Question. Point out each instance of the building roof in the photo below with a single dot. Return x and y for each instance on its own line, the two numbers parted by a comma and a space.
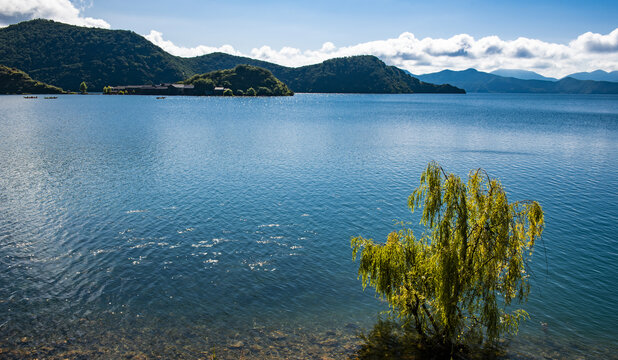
180, 86
141, 87
160, 87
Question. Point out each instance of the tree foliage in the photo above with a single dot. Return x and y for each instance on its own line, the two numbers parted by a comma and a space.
243, 77
83, 88
456, 283
203, 86
14, 81
264, 91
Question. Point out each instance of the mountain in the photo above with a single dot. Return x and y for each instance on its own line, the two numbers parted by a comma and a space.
66, 55
598, 75
362, 74
219, 61
477, 81
521, 74
240, 80
14, 81
355, 74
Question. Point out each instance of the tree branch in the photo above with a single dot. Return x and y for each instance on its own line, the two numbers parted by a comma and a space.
431, 319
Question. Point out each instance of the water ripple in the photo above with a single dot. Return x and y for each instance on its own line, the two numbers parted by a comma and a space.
201, 223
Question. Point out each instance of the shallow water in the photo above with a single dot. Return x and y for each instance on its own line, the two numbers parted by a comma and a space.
135, 226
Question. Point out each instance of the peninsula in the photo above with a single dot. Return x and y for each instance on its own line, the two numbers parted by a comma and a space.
241, 80
15, 81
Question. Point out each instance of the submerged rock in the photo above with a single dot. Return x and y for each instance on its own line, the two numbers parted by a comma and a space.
329, 342
256, 347
277, 335
237, 344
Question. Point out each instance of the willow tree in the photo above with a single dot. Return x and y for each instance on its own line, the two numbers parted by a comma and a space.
458, 283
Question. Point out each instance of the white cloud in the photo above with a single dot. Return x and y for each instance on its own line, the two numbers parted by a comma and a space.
156, 38
588, 52
597, 43
12, 11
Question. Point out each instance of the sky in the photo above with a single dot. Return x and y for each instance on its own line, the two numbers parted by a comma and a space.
552, 37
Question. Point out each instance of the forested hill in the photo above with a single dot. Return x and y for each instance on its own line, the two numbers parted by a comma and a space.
220, 61
65, 55
242, 80
14, 81
355, 74
358, 74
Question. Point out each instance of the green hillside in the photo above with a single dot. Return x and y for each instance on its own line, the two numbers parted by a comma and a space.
219, 61
355, 74
240, 79
14, 81
358, 74
65, 55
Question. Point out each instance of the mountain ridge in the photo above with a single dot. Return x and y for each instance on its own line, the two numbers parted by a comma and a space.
65, 55
477, 81
521, 74
597, 75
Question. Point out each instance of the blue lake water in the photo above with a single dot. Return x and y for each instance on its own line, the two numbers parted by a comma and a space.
132, 226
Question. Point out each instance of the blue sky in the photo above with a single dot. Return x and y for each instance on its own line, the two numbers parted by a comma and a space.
551, 37
308, 24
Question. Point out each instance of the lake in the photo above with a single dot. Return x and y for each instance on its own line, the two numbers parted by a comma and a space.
188, 227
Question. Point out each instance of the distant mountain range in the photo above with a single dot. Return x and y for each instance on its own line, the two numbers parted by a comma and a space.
521, 74
65, 55
477, 81
598, 75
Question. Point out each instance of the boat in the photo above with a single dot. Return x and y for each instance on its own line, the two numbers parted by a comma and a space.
160, 97
51, 97
30, 97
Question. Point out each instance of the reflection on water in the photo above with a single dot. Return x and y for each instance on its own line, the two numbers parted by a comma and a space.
131, 227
